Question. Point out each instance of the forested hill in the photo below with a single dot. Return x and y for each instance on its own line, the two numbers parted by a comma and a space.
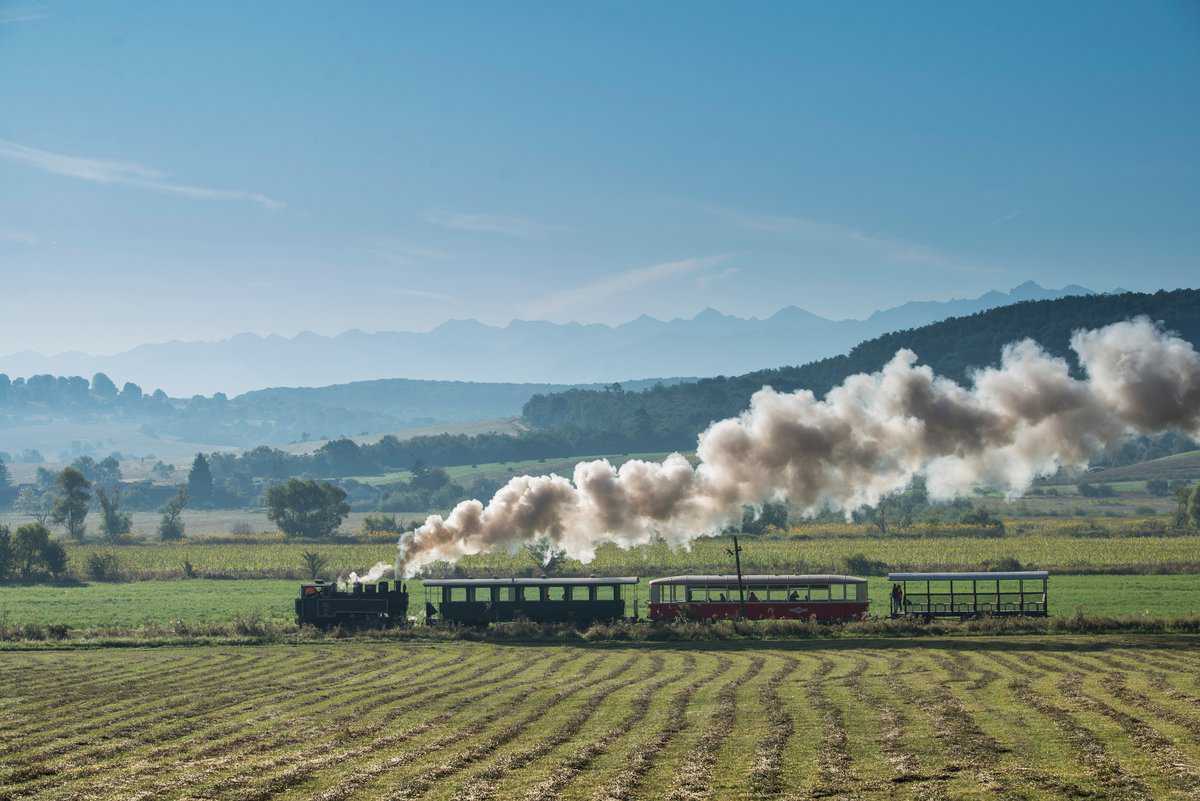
671, 417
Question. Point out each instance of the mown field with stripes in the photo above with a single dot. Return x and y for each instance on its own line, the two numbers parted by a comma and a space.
1013, 718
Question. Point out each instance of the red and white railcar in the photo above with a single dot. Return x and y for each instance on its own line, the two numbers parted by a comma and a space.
825, 598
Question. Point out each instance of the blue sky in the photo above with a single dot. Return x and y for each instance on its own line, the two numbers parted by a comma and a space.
182, 170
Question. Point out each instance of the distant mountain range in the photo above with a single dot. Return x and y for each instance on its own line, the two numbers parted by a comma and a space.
711, 343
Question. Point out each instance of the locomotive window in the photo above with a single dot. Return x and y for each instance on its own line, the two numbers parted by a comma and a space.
556, 593
458, 594
606, 592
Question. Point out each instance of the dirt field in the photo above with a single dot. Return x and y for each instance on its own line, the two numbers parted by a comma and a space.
976, 718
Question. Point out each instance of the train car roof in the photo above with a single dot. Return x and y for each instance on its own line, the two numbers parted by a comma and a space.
531, 582
757, 580
979, 576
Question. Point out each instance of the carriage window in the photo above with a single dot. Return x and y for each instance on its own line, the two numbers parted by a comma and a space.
818, 593
531, 593
458, 593
504, 593
606, 592
556, 593
579, 593
483, 594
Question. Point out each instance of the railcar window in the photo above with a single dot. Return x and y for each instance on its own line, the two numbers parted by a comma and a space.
818, 593
504, 594
483, 594
531, 593
458, 594
837, 592
578, 593
605, 592
556, 593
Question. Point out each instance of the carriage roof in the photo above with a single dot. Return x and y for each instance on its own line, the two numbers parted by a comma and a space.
978, 576
758, 580
591, 581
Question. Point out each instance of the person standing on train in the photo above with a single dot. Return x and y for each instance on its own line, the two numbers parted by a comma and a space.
897, 600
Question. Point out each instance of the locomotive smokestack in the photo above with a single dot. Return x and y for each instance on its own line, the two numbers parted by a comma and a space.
866, 438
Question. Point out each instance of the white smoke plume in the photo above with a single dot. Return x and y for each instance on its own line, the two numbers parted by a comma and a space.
866, 439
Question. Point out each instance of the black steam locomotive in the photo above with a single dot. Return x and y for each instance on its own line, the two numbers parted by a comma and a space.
323, 605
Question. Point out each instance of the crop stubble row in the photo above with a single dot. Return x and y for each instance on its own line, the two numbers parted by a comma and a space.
476, 721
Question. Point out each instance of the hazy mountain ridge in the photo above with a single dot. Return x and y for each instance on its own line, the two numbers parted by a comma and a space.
710, 343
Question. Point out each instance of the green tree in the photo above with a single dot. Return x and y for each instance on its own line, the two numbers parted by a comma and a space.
71, 504
171, 526
1193, 507
108, 472
103, 387
545, 554
307, 508
1158, 487
33, 551
114, 523
38, 505
54, 557
5, 552
315, 564
200, 481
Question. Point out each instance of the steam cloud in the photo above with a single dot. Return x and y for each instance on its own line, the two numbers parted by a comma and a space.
866, 439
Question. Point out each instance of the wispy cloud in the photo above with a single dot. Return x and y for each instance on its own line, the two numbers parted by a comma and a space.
616, 284
708, 279
844, 236
420, 293
125, 173
16, 15
18, 237
517, 227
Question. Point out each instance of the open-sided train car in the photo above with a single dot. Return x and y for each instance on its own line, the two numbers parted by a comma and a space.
826, 598
968, 595
324, 605
577, 601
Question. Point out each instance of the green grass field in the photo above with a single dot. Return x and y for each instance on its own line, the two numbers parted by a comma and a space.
135, 604
1031, 718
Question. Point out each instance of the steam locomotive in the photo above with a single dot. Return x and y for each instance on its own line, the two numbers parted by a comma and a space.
325, 605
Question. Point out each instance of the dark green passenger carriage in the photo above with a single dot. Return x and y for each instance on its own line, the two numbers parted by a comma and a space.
576, 601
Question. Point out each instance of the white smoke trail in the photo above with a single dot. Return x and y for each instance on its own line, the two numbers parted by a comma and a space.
867, 438
372, 576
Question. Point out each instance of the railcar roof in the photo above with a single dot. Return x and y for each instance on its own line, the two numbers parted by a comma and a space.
757, 580
1010, 574
531, 582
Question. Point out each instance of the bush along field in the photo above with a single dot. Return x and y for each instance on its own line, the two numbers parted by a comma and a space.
985, 718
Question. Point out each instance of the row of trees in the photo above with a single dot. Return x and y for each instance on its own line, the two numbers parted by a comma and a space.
68, 501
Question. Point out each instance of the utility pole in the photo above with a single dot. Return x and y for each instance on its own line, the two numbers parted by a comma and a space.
736, 553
